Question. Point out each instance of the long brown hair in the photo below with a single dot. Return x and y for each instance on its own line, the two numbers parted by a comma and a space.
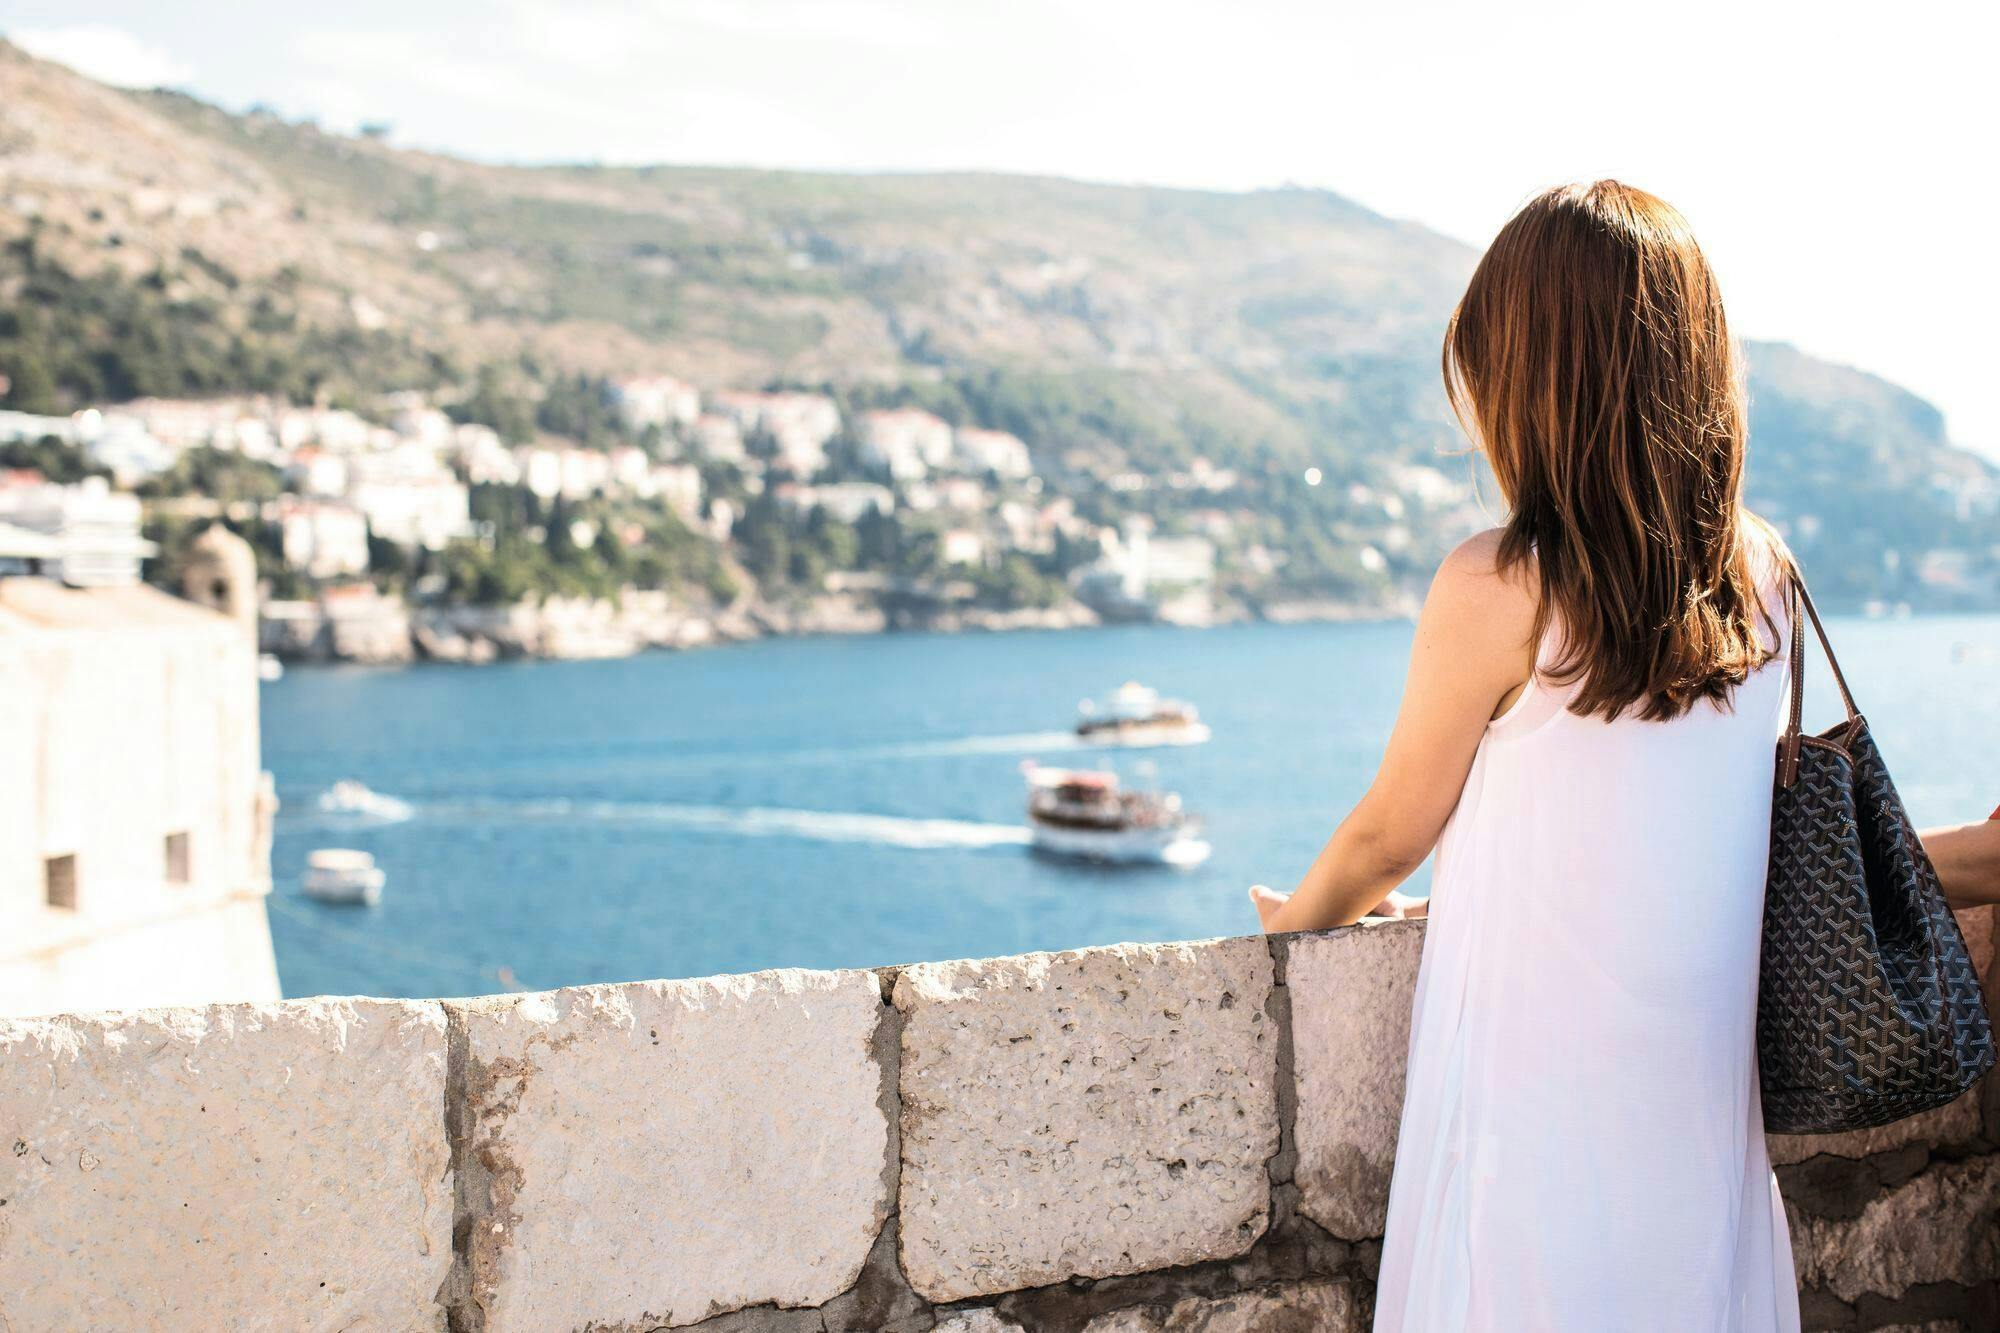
1590, 359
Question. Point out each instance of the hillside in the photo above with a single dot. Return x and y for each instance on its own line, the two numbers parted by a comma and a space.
1113, 328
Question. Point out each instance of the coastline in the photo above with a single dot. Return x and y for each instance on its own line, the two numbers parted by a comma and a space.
382, 631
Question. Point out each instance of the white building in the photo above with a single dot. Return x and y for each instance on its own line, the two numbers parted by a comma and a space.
679, 485
134, 821
572, 474
796, 425
324, 540
655, 400
962, 546
846, 501
124, 445
95, 528
236, 425
993, 451
318, 472
906, 440
1146, 564
18, 426
430, 512
485, 458
719, 437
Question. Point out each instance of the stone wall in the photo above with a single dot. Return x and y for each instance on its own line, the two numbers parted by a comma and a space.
1134, 1139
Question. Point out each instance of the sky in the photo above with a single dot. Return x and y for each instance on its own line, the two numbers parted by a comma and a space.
1835, 159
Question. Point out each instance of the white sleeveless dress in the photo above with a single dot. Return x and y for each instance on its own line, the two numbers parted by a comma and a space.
1582, 1145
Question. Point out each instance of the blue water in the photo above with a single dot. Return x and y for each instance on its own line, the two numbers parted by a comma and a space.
854, 801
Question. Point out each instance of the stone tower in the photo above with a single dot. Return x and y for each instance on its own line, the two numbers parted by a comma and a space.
221, 574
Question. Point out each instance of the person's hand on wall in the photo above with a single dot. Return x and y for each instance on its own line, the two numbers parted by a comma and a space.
1967, 859
1396, 907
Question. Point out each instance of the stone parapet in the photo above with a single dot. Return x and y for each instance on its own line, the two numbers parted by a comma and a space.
1194, 1138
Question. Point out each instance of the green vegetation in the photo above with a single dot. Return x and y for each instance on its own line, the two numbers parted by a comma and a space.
594, 548
59, 462
68, 340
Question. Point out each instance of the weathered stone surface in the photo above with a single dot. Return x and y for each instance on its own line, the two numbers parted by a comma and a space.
1084, 1114
1351, 992
1305, 1307
278, 1166
660, 1152
1948, 1125
976, 1321
1942, 1225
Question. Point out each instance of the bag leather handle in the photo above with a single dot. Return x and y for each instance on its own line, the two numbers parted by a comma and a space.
1796, 597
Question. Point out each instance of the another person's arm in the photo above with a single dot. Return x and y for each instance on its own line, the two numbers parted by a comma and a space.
1967, 858
1471, 652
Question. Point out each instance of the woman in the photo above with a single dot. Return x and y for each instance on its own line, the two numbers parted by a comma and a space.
1587, 738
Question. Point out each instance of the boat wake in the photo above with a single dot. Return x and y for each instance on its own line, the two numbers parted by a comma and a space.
753, 822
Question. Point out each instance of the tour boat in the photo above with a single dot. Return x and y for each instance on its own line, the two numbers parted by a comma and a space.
269, 668
1136, 715
1086, 815
341, 875
348, 797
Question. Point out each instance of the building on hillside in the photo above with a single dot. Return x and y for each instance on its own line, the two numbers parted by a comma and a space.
483, 456
993, 451
719, 438
16, 427
134, 820
795, 426
655, 400
679, 486
431, 513
322, 539
95, 528
846, 501
1143, 576
962, 546
314, 471
571, 474
908, 441
123, 445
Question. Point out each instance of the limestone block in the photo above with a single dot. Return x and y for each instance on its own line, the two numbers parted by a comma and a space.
1947, 1125
1305, 1307
1084, 1114
1351, 993
1942, 1225
660, 1152
279, 1166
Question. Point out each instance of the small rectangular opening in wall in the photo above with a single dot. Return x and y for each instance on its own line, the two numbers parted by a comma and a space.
59, 881
179, 869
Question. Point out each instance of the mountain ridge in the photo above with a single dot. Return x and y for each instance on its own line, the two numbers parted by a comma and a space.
1133, 325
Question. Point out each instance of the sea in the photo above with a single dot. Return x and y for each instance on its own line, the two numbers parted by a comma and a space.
853, 801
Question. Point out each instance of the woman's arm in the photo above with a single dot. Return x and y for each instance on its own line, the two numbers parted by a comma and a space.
1471, 654
1968, 862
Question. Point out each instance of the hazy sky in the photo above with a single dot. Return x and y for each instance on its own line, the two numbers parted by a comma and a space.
1830, 155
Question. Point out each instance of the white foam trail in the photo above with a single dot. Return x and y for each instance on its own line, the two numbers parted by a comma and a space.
759, 822
1017, 744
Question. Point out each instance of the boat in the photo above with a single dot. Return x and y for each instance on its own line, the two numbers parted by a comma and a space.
269, 668
1135, 715
342, 875
1086, 815
348, 797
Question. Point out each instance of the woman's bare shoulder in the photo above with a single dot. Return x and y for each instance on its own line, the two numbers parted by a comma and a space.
1480, 601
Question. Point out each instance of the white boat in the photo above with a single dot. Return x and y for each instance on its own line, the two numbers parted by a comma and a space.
1136, 716
348, 797
269, 668
1085, 815
342, 875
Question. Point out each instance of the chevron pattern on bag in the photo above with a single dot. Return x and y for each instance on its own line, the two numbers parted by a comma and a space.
1868, 1005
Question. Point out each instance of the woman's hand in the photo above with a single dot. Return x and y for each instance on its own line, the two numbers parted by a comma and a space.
1267, 901
1396, 907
